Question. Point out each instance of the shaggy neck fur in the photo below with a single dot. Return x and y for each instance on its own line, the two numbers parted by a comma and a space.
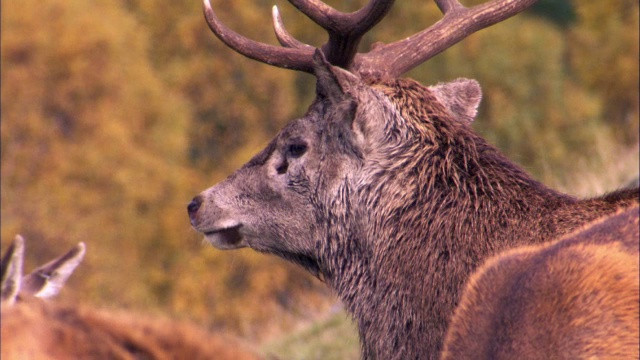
399, 249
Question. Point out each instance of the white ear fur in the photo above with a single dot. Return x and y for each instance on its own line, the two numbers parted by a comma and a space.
47, 281
460, 97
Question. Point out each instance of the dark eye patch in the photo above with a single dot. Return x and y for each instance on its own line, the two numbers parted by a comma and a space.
296, 150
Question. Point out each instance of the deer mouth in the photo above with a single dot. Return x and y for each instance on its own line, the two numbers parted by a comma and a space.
226, 238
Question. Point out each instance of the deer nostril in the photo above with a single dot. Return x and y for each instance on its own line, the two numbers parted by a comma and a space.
194, 206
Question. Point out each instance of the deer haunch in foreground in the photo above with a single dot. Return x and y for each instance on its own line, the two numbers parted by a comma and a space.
33, 329
577, 298
382, 188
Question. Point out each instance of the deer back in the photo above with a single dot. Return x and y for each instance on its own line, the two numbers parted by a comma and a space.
35, 328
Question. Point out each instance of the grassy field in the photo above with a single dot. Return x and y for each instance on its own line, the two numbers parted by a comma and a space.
333, 337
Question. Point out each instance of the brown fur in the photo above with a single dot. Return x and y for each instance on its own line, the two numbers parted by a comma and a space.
33, 329
576, 298
468, 202
36, 330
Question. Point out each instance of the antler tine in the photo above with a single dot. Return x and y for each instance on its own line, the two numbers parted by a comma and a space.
335, 21
458, 22
345, 29
283, 36
290, 58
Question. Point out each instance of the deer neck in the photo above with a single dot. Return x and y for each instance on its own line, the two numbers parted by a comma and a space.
405, 234
399, 263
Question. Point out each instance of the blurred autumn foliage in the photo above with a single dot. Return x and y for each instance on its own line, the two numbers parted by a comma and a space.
116, 113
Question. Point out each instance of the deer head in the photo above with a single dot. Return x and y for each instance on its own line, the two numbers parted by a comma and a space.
280, 201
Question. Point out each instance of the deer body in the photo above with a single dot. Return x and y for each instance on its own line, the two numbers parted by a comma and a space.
575, 298
34, 329
383, 190
423, 224
37, 330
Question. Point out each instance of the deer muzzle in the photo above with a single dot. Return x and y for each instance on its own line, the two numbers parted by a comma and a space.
221, 233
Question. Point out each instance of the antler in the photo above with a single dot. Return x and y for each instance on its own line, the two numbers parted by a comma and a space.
346, 30
458, 22
290, 58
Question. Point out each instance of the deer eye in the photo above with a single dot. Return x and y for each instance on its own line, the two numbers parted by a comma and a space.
296, 150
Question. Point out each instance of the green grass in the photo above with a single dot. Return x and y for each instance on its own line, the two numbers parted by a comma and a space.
335, 337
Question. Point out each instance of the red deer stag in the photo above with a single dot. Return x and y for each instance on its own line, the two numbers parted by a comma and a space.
382, 188
575, 298
34, 330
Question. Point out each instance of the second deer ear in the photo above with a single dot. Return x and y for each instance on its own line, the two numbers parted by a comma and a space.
460, 97
337, 86
333, 83
47, 280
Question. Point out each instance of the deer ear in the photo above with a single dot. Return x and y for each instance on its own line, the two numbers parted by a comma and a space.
47, 281
12, 271
460, 97
333, 82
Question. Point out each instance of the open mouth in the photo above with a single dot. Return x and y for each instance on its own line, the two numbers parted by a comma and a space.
227, 238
